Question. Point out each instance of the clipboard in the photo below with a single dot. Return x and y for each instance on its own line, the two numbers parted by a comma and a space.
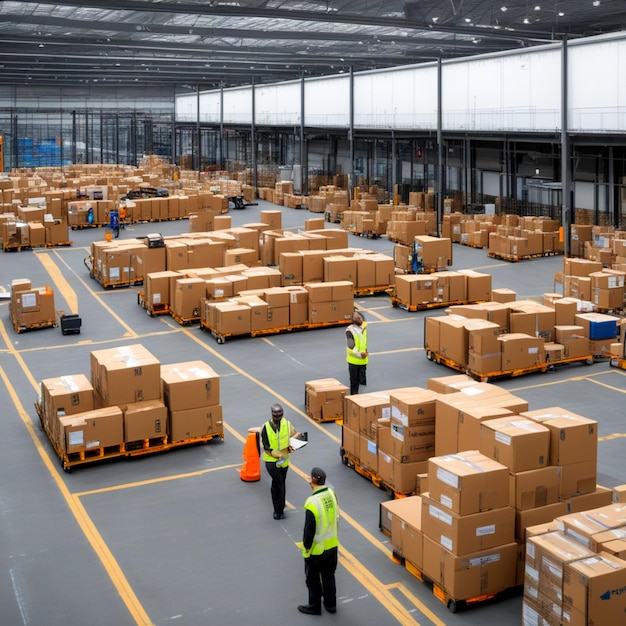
296, 444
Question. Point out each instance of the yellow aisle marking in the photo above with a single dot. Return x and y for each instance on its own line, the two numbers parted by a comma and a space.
613, 436
84, 521
129, 331
382, 593
611, 387
59, 281
153, 481
18, 356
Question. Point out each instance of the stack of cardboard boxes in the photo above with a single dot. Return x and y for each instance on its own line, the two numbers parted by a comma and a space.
31, 307
130, 398
500, 469
519, 334
573, 574
324, 399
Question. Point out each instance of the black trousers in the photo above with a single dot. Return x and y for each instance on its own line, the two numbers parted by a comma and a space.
278, 476
319, 571
357, 377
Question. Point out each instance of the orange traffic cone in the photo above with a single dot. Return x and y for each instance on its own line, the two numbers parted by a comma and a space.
251, 468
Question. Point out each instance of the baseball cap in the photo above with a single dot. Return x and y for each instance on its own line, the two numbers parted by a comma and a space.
319, 475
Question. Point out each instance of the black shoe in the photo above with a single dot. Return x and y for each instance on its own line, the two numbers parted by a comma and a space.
277, 516
307, 609
331, 609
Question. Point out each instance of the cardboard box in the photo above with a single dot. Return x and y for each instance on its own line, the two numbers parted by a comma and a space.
189, 385
521, 351
475, 574
412, 443
413, 406
198, 422
350, 441
520, 444
593, 590
125, 375
539, 515
587, 501
548, 554
582, 526
577, 478
402, 520
144, 420
619, 494
468, 482
534, 488
467, 533
573, 438
324, 398
100, 428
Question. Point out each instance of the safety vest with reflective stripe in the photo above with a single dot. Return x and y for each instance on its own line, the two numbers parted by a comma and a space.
278, 440
323, 504
353, 355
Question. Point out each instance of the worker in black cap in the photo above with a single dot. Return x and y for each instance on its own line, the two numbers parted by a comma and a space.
275, 436
320, 545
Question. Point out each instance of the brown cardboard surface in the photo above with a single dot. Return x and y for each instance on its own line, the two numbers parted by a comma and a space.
468, 482
534, 488
189, 385
198, 422
520, 444
479, 573
467, 533
573, 438
144, 420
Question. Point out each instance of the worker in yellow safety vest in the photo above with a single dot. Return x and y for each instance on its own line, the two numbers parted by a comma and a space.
275, 436
320, 545
356, 352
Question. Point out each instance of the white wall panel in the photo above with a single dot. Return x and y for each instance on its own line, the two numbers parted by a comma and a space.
518, 91
238, 105
278, 104
327, 101
584, 195
597, 88
511, 91
210, 107
400, 98
186, 107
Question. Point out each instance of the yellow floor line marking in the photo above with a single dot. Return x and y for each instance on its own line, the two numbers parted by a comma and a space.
61, 284
378, 316
572, 379
613, 436
396, 351
411, 597
129, 331
153, 481
611, 387
84, 521
269, 390
18, 357
382, 593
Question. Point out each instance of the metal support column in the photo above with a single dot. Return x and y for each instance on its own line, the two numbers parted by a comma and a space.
394, 165
304, 169
253, 145
439, 182
351, 136
566, 161
222, 156
198, 131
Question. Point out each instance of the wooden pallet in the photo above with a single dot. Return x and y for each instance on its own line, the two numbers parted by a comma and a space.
360, 468
221, 336
453, 604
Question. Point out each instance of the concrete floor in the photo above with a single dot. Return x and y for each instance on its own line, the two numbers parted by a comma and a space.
178, 538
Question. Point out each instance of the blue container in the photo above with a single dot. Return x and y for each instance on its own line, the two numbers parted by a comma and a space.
602, 329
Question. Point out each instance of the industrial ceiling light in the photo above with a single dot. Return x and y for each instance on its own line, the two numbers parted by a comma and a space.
596, 3
526, 20
537, 7
561, 14
504, 9
435, 19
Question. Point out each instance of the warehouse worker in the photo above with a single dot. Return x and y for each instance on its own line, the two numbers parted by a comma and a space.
356, 352
275, 436
320, 545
